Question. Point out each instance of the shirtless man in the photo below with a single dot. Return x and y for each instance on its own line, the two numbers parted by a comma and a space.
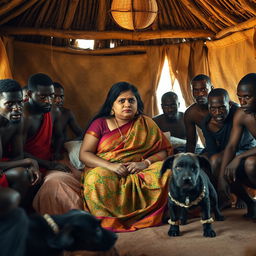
67, 118
217, 127
42, 124
239, 170
201, 86
171, 120
15, 172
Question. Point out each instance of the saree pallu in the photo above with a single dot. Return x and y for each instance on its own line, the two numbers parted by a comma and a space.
137, 200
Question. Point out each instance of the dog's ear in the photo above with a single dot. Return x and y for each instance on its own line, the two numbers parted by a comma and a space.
167, 164
63, 240
205, 164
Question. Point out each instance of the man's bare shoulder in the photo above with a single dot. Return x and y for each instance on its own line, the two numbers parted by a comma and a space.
158, 118
240, 115
190, 110
11, 130
27, 115
55, 113
242, 118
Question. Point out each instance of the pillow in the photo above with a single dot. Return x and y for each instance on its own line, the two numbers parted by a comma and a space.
177, 142
73, 148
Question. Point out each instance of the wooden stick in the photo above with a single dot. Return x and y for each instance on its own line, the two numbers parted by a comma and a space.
70, 14
135, 36
220, 13
248, 6
9, 6
198, 13
20, 10
101, 20
239, 27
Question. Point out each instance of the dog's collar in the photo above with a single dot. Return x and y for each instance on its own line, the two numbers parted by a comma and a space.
187, 203
53, 225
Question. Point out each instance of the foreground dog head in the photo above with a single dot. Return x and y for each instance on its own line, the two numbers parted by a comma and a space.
77, 231
185, 168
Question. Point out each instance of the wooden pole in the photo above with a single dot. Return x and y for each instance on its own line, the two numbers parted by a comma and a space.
239, 27
91, 35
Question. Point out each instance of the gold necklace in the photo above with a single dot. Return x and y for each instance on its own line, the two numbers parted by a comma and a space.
188, 204
123, 137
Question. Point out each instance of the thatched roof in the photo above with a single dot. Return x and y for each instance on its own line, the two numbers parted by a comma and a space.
91, 19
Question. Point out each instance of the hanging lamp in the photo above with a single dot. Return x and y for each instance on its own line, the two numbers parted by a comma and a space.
134, 14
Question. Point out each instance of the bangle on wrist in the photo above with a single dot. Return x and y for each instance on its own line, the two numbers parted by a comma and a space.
148, 162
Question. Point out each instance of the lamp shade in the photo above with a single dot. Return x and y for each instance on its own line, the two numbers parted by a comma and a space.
134, 14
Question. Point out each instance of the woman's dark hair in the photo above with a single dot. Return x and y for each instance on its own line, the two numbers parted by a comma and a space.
113, 94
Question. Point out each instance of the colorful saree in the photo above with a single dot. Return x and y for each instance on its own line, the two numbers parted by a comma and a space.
138, 200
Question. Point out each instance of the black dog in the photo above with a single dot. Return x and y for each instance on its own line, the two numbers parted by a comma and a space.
190, 186
73, 231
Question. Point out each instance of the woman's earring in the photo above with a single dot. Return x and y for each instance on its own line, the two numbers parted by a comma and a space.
112, 113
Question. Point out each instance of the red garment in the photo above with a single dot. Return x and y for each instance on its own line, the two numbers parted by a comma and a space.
3, 181
40, 144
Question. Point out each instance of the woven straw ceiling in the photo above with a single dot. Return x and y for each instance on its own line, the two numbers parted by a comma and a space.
211, 16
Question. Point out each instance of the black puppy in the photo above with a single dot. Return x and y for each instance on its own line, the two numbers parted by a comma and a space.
190, 186
73, 231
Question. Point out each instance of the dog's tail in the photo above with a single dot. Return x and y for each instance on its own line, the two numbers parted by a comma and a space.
167, 164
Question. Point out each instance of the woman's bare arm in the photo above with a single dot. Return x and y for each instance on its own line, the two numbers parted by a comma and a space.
88, 156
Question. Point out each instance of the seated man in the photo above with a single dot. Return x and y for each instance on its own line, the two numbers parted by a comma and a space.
172, 121
67, 118
201, 86
217, 127
12, 171
239, 170
42, 124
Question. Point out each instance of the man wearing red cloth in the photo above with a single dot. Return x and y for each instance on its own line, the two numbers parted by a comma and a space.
41, 124
15, 172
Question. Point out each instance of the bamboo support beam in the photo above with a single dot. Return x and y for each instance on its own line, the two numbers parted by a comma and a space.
70, 14
101, 21
195, 11
239, 27
220, 13
9, 6
108, 51
247, 5
93, 35
20, 10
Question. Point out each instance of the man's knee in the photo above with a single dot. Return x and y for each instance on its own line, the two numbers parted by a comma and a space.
17, 175
250, 168
9, 199
215, 161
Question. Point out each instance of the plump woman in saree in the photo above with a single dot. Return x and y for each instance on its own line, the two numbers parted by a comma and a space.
123, 152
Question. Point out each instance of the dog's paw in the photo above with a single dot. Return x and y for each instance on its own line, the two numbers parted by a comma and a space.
174, 230
209, 233
240, 204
